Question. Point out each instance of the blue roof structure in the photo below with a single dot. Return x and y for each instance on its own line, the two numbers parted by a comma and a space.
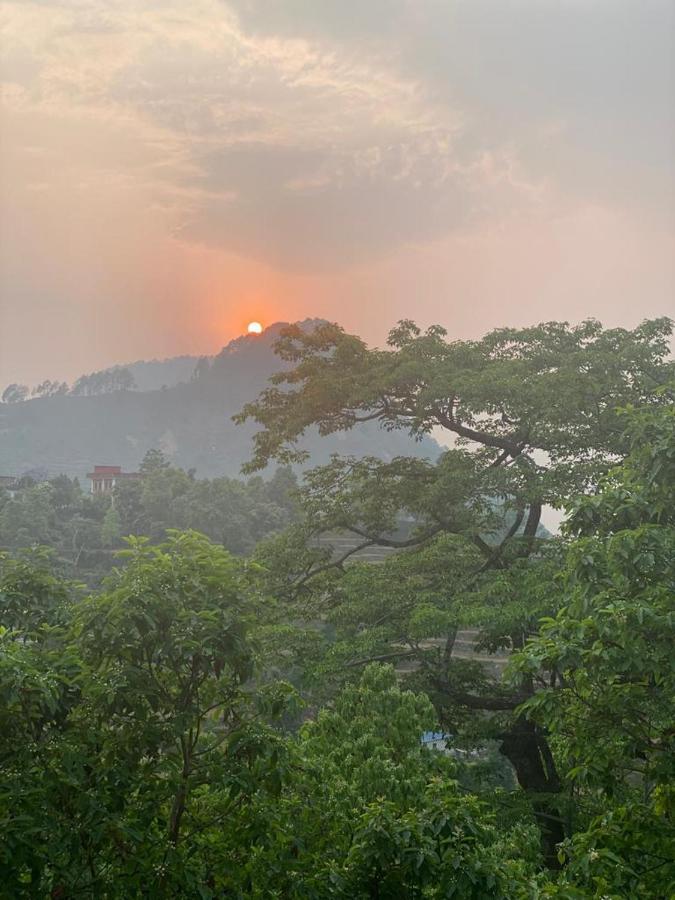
429, 737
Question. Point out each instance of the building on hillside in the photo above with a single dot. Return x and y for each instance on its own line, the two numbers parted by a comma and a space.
104, 479
435, 740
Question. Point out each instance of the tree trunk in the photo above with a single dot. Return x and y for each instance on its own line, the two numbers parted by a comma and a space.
178, 806
177, 811
528, 752
449, 647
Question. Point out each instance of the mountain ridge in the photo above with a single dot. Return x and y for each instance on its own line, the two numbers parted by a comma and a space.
190, 421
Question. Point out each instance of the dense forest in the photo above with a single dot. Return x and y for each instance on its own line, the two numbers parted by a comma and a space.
242, 709
85, 530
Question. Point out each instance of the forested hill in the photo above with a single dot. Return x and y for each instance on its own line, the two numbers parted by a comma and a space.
189, 421
154, 374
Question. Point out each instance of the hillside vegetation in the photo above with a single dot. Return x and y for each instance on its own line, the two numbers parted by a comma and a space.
189, 421
485, 712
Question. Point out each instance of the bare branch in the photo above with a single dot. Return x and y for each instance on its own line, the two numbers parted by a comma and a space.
400, 545
492, 703
481, 437
403, 654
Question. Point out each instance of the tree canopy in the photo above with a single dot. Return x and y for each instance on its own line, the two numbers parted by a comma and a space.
85, 530
532, 418
255, 725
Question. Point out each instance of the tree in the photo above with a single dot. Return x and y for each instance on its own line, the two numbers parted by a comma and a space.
66, 493
15, 393
82, 527
154, 461
128, 497
138, 757
234, 513
49, 388
30, 594
282, 488
132, 728
37, 691
533, 416
107, 381
28, 519
605, 671
366, 810
110, 529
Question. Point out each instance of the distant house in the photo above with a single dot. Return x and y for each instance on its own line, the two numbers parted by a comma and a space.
104, 479
434, 740
437, 740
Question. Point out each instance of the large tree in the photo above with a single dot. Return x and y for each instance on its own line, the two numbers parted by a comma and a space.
531, 417
131, 726
605, 670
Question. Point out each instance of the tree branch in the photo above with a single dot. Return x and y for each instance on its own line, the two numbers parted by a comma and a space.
333, 564
400, 545
475, 701
402, 654
481, 437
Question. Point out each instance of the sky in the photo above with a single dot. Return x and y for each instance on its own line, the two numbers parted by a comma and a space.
170, 170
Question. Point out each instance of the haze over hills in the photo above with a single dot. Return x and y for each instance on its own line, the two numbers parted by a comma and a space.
154, 374
189, 419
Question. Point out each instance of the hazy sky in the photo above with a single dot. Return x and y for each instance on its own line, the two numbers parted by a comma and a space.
171, 169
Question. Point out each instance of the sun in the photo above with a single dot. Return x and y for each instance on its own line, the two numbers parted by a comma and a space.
254, 328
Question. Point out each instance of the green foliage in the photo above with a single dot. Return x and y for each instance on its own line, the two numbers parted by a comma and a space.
231, 512
549, 387
111, 530
28, 519
137, 756
85, 530
152, 743
131, 724
153, 461
30, 595
533, 414
609, 654
56, 514
367, 811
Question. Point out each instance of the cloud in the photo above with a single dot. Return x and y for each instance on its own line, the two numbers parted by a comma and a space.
299, 151
302, 145
569, 86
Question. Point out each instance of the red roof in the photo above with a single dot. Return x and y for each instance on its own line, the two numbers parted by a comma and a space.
101, 472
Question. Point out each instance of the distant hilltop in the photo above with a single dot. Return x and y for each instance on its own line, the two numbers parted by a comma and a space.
145, 374
182, 406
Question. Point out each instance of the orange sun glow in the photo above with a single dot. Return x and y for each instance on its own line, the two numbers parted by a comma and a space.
254, 328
